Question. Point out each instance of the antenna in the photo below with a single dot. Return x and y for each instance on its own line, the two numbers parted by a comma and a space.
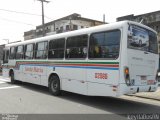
104, 18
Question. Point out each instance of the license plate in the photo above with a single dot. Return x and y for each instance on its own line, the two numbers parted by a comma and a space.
143, 78
150, 82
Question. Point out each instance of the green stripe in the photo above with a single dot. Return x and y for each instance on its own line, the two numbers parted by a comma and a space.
72, 62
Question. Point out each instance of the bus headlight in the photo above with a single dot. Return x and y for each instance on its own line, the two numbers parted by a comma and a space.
126, 76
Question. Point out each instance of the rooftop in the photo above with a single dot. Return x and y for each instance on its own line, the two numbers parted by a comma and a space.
73, 16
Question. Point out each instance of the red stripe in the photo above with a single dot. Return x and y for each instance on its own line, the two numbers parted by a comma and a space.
97, 65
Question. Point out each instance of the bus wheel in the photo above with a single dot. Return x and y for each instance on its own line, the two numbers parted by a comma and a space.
54, 85
12, 78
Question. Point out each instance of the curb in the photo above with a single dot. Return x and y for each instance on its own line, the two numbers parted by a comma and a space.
145, 97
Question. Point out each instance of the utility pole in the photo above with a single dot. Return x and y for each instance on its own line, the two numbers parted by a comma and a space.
43, 25
70, 24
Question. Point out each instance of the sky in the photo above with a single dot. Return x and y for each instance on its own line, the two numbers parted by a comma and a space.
14, 21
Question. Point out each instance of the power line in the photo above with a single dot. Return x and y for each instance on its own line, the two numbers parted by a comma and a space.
19, 12
13, 11
9, 20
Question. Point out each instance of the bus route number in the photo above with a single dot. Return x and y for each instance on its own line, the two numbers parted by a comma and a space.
101, 75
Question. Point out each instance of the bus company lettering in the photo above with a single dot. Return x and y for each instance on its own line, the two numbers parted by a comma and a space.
34, 69
101, 75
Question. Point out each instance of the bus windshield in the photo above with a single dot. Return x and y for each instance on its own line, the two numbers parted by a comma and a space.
142, 39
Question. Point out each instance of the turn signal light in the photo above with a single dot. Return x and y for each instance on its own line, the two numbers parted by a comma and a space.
126, 71
127, 76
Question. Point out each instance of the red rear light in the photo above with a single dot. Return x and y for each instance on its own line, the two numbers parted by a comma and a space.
126, 76
126, 71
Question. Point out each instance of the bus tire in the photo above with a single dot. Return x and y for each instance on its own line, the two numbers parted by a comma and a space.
12, 77
54, 85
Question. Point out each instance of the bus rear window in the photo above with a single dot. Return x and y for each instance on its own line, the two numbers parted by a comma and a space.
142, 39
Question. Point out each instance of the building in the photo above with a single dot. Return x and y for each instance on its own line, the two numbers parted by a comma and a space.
29, 34
150, 19
68, 23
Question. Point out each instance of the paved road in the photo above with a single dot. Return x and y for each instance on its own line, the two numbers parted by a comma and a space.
32, 99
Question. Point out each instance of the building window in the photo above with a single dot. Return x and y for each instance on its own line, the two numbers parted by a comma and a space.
41, 50
157, 28
61, 28
76, 47
104, 44
56, 48
48, 29
67, 27
29, 50
75, 27
19, 53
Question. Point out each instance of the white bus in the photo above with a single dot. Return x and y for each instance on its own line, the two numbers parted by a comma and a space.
97, 61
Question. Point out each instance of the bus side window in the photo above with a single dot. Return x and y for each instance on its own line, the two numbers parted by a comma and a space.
41, 50
12, 53
20, 52
76, 47
105, 44
29, 50
56, 49
5, 56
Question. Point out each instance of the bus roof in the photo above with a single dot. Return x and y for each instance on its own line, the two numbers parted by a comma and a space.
103, 27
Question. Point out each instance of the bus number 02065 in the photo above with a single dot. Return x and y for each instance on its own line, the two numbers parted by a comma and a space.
101, 75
